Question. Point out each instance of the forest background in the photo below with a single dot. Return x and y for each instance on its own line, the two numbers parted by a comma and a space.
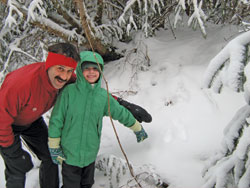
29, 27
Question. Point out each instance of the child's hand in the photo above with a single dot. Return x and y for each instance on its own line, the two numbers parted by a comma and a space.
139, 131
55, 150
57, 155
141, 135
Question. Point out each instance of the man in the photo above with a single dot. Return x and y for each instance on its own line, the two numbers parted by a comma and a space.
25, 95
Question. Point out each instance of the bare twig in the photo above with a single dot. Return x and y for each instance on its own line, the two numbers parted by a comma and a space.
158, 20
171, 28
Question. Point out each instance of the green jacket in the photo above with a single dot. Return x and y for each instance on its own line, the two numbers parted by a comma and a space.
77, 117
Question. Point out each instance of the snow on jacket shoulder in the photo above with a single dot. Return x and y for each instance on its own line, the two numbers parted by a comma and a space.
25, 95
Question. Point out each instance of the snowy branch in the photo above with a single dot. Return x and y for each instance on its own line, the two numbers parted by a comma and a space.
234, 128
13, 14
14, 47
231, 165
54, 28
198, 16
66, 15
116, 169
232, 60
36, 5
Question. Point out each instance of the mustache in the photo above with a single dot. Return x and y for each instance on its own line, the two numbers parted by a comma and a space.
59, 78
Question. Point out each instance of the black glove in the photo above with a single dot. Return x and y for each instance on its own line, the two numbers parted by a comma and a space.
138, 112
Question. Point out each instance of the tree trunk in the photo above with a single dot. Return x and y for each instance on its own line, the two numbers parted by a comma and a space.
94, 43
98, 17
4, 1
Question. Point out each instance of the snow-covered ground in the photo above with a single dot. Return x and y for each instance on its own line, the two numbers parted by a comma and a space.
188, 121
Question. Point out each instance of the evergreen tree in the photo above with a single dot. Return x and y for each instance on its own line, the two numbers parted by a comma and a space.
230, 67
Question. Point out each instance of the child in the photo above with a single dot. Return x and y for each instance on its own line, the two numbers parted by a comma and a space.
76, 123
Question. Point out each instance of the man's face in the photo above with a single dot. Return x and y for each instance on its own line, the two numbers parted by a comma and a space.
91, 74
59, 75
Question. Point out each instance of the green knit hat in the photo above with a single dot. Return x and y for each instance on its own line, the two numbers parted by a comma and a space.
87, 64
90, 56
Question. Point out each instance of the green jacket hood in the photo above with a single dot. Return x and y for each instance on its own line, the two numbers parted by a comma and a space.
88, 56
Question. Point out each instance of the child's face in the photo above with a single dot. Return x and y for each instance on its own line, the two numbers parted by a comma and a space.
91, 74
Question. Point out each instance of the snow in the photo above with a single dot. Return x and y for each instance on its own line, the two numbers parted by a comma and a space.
188, 120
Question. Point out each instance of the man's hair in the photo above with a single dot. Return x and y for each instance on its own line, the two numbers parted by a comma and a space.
65, 49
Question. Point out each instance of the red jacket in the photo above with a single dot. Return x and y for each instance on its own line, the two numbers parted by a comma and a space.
25, 95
